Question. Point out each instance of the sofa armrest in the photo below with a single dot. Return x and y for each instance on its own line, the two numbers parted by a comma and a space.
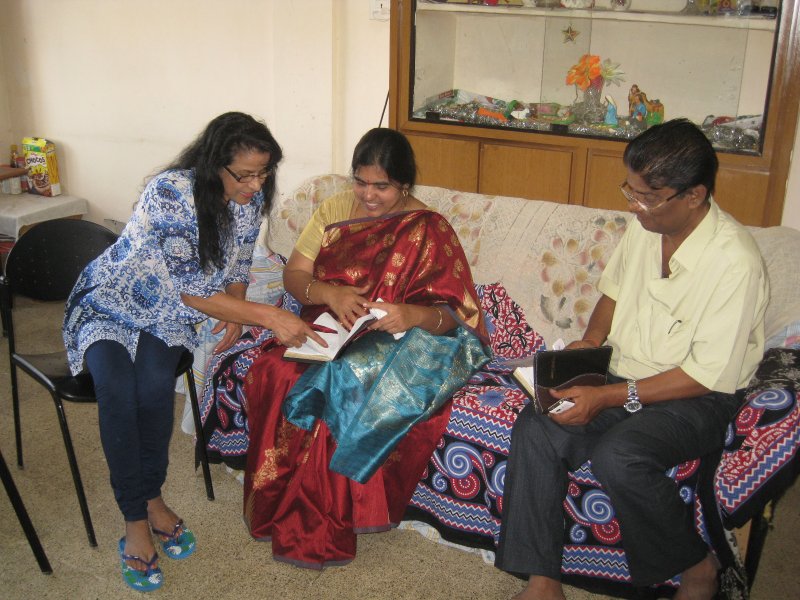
759, 461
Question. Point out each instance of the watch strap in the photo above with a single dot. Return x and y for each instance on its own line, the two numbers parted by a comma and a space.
633, 403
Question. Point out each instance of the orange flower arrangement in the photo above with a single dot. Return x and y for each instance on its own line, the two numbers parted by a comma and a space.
589, 70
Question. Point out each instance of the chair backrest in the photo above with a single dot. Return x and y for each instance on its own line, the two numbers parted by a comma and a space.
46, 260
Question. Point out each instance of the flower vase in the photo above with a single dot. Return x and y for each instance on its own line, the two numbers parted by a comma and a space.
591, 110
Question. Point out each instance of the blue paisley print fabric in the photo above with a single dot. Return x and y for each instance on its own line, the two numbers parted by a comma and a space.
136, 284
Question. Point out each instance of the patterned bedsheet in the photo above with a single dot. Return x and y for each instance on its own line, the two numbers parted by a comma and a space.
460, 493
462, 487
759, 462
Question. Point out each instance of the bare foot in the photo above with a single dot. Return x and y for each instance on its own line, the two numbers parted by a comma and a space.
160, 516
699, 582
541, 588
139, 542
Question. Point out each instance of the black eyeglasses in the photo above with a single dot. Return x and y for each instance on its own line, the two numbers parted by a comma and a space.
644, 203
261, 175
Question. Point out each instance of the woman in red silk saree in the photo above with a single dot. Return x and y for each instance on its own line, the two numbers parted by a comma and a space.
384, 398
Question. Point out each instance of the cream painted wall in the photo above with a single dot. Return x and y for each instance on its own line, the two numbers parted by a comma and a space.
5, 117
791, 206
122, 85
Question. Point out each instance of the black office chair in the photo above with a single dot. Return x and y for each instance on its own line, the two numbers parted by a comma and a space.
24, 519
43, 265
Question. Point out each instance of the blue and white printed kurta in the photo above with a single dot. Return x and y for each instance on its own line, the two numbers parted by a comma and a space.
136, 284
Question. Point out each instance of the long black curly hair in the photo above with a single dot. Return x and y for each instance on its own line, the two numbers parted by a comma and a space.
215, 148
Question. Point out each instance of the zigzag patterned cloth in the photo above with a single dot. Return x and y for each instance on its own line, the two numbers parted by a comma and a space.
221, 413
759, 461
461, 491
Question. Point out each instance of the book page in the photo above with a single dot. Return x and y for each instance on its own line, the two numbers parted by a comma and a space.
310, 348
528, 374
336, 339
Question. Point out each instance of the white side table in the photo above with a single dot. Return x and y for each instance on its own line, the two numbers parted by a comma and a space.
20, 211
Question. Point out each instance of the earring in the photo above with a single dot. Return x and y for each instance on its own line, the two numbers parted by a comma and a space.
405, 192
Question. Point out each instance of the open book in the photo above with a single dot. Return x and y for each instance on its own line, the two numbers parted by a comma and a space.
561, 369
336, 336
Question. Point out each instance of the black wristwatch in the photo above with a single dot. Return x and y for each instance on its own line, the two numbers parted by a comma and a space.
632, 404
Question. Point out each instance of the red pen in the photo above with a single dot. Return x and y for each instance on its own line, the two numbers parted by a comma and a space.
321, 328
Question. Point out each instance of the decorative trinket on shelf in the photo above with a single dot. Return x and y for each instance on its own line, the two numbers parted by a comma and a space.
643, 110
590, 75
701, 7
577, 3
570, 34
590, 71
611, 112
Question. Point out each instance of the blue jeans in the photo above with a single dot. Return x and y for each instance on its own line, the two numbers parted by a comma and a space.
136, 412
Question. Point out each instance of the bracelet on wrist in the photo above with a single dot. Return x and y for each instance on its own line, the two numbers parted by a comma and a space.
441, 318
308, 289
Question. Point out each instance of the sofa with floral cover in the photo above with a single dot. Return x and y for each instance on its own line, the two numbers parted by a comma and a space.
536, 266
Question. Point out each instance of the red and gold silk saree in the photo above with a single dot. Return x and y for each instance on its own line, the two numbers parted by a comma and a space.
310, 512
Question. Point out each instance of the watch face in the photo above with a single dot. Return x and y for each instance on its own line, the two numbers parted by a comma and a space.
632, 406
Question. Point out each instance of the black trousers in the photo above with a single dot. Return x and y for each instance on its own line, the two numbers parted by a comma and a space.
630, 455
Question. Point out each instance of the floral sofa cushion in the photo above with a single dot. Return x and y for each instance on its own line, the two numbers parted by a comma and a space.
548, 256
788, 337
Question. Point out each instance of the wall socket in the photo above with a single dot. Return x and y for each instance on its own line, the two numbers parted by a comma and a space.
379, 10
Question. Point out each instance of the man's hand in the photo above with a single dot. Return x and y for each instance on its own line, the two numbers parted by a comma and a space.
580, 344
588, 400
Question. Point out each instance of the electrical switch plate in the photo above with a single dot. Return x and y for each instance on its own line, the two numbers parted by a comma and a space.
379, 10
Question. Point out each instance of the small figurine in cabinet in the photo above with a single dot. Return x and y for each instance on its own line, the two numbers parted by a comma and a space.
637, 108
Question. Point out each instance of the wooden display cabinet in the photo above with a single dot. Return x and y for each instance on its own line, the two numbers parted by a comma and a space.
515, 53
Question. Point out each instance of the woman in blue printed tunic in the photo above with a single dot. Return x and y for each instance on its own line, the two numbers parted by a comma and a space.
183, 257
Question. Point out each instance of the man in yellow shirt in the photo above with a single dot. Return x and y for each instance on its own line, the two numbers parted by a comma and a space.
682, 306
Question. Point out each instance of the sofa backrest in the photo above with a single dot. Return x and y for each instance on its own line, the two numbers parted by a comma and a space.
549, 256
780, 247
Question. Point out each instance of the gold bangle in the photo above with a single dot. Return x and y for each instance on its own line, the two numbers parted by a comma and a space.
308, 289
441, 317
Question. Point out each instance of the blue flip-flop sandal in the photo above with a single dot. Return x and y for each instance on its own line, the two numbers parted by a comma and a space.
179, 544
147, 580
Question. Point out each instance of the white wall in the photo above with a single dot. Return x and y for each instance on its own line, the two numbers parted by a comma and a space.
122, 85
791, 206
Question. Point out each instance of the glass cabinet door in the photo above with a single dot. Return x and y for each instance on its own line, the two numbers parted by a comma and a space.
595, 72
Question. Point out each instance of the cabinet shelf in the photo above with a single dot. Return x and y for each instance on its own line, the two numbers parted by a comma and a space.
728, 20
450, 58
